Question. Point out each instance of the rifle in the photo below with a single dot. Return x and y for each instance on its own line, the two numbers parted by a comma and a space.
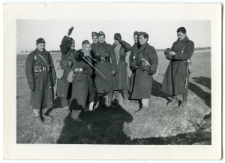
93, 67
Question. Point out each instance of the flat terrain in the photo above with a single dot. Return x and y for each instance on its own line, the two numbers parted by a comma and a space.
160, 124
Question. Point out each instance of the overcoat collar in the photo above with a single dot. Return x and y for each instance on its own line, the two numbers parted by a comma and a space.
39, 52
143, 47
186, 39
102, 44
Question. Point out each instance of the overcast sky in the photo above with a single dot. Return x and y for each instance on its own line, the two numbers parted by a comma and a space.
161, 33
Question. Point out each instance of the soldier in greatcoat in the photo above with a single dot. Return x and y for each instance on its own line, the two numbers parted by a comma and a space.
147, 63
41, 78
67, 48
121, 79
177, 74
81, 80
106, 64
132, 58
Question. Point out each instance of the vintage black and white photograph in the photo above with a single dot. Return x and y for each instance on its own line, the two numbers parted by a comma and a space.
114, 81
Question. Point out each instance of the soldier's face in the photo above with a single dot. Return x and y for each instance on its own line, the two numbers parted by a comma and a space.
95, 39
88, 47
142, 40
181, 35
41, 46
135, 38
101, 39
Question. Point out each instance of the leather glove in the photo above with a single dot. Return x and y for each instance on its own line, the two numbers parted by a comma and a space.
167, 51
31, 86
70, 31
117, 38
54, 82
169, 57
113, 72
151, 72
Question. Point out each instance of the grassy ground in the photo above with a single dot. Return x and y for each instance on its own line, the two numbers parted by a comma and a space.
161, 124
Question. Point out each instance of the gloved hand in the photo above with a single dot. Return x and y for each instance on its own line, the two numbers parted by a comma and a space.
169, 57
54, 82
151, 72
117, 38
31, 86
113, 72
70, 31
167, 51
132, 67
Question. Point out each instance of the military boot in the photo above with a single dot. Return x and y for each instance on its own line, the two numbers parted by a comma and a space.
75, 115
184, 102
38, 118
173, 102
116, 94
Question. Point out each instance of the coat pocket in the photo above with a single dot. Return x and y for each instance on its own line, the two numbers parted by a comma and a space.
36, 75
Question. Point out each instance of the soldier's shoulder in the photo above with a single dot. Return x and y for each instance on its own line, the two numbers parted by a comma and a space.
190, 42
151, 48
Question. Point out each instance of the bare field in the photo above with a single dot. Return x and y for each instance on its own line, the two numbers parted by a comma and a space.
160, 124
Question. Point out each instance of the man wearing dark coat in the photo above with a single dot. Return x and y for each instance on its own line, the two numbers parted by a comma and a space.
81, 80
67, 48
121, 79
106, 64
177, 74
132, 58
147, 63
41, 78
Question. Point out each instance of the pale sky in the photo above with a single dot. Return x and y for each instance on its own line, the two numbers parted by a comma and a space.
162, 34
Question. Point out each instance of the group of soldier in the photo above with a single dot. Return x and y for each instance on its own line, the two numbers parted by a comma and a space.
90, 77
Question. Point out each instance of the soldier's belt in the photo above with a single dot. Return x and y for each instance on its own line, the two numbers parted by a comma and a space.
78, 69
40, 69
122, 58
103, 59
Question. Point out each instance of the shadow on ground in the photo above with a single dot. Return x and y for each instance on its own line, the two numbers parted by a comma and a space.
205, 96
203, 81
101, 126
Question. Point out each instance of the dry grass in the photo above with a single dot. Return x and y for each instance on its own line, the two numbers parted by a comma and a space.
160, 124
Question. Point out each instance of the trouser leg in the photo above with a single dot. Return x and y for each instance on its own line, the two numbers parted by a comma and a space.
125, 97
37, 115
109, 98
116, 94
64, 102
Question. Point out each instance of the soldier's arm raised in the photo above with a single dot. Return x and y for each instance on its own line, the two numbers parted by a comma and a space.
29, 71
126, 45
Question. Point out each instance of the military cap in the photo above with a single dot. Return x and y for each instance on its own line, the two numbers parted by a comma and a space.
101, 34
143, 33
136, 33
85, 42
40, 40
117, 35
93, 34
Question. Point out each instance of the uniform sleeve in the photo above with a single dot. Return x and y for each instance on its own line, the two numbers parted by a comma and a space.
53, 69
29, 69
172, 48
153, 58
126, 46
113, 57
64, 47
188, 52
